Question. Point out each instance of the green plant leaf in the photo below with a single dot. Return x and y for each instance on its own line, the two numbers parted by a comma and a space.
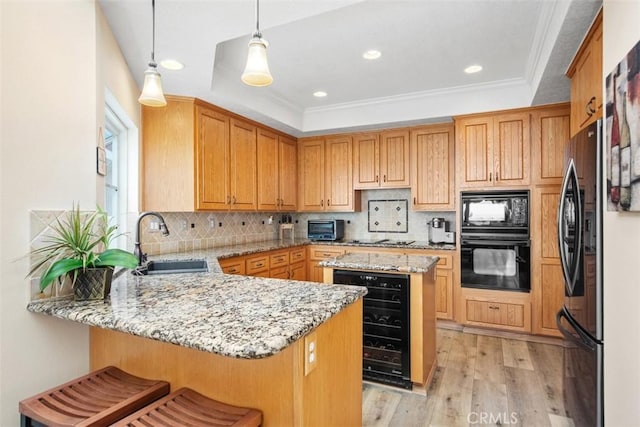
116, 258
58, 269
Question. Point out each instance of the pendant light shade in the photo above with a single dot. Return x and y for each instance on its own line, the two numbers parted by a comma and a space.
152, 95
256, 72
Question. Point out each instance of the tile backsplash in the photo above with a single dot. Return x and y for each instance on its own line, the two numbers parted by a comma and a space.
202, 230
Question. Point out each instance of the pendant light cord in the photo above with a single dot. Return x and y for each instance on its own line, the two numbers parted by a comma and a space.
257, 33
153, 32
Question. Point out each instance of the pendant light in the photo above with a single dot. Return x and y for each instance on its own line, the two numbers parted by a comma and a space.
152, 95
256, 72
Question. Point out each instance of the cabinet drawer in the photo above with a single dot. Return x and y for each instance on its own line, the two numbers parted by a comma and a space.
496, 313
232, 266
298, 254
319, 253
279, 259
256, 264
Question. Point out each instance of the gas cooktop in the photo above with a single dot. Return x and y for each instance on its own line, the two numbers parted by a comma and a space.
382, 241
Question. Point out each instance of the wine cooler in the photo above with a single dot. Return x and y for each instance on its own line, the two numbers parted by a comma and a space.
385, 340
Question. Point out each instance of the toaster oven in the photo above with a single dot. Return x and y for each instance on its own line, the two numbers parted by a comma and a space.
325, 229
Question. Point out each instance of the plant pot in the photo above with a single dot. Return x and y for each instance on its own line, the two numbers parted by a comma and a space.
93, 284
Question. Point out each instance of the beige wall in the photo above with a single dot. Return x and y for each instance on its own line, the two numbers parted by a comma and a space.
51, 108
621, 256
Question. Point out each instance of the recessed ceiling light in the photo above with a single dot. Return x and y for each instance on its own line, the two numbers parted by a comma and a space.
319, 94
372, 54
473, 69
171, 64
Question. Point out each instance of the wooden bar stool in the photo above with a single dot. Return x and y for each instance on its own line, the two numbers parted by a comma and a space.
97, 399
187, 408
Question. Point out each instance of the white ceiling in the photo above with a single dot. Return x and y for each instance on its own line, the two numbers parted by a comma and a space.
524, 46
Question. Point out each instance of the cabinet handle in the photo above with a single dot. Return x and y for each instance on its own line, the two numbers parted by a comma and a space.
489, 176
414, 201
589, 107
233, 200
327, 255
494, 307
497, 177
376, 178
259, 264
232, 270
384, 177
328, 202
322, 203
228, 200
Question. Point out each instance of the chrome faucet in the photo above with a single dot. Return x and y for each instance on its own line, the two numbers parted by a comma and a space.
137, 251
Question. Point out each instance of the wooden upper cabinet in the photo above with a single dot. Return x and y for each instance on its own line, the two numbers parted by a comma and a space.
167, 157
550, 128
277, 166
494, 150
311, 175
432, 168
212, 159
243, 159
366, 161
325, 175
381, 160
585, 72
338, 180
196, 156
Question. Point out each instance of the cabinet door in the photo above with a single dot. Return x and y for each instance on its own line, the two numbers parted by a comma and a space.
311, 175
338, 189
547, 283
316, 272
234, 265
288, 174
474, 139
298, 271
511, 149
168, 157
366, 161
549, 134
243, 180
432, 168
268, 168
444, 294
212, 164
394, 159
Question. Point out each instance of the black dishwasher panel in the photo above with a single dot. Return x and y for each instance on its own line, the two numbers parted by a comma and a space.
386, 332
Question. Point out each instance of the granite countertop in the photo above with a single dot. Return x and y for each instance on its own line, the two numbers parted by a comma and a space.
414, 245
383, 262
230, 315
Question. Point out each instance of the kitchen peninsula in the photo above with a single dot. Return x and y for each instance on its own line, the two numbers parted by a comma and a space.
384, 303
237, 339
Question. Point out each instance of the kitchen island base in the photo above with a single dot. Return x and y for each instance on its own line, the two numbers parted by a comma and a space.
330, 393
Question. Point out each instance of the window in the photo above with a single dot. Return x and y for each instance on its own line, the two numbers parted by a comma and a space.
121, 180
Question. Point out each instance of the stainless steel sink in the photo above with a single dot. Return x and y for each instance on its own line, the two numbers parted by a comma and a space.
173, 267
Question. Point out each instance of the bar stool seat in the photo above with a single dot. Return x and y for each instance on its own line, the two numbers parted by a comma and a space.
97, 399
187, 408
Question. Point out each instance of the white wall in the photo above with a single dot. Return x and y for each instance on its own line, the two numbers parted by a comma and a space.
51, 108
621, 255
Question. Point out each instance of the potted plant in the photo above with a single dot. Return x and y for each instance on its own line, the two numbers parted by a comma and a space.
79, 248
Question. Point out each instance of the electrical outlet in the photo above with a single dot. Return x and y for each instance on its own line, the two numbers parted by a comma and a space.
212, 221
183, 224
154, 226
310, 353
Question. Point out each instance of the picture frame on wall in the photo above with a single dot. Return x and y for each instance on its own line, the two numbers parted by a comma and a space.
622, 121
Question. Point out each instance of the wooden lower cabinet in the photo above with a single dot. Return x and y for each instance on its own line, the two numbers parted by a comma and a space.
287, 264
319, 253
496, 309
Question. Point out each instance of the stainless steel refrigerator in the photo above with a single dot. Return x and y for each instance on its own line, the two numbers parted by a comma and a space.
580, 241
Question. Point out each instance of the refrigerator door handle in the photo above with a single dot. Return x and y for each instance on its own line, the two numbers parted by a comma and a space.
585, 341
570, 268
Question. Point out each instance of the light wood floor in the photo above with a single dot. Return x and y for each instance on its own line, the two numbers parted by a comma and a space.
480, 380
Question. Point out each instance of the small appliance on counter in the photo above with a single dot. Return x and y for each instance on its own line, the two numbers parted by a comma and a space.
286, 231
439, 231
325, 229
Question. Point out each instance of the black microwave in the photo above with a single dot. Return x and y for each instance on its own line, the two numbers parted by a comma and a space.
325, 229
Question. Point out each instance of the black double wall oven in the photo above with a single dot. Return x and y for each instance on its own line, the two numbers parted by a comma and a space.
495, 249
385, 332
